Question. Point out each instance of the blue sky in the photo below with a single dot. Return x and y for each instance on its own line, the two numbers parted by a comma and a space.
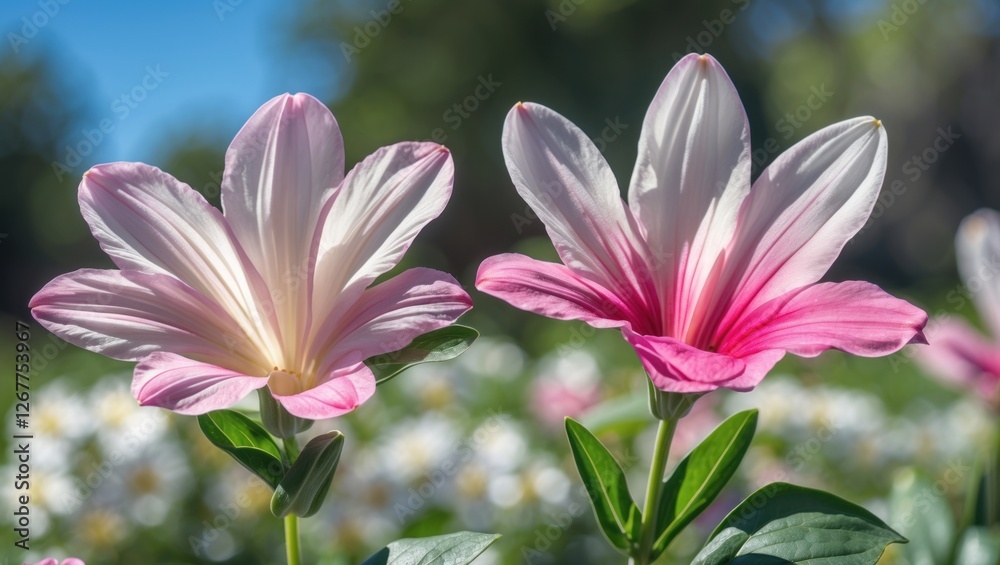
213, 63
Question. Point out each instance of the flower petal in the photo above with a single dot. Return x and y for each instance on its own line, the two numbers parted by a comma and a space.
978, 246
564, 178
128, 315
675, 366
350, 385
280, 169
691, 175
147, 220
958, 354
798, 216
369, 223
189, 387
552, 290
856, 317
388, 316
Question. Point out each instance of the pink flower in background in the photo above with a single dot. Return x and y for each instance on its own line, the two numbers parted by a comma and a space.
958, 353
710, 280
553, 400
52, 561
698, 423
273, 291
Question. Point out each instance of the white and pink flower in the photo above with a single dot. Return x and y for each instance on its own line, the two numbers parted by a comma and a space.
960, 354
272, 291
710, 279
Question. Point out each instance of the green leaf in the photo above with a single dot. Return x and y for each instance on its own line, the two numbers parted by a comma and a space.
304, 487
701, 476
983, 500
438, 345
924, 516
605, 481
979, 546
783, 523
452, 549
246, 441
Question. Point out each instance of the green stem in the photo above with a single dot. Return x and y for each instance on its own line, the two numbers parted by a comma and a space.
291, 520
292, 539
991, 477
291, 448
664, 435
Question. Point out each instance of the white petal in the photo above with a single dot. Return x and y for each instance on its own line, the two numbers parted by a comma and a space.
978, 246
563, 177
388, 316
148, 221
799, 215
128, 315
374, 216
280, 169
692, 174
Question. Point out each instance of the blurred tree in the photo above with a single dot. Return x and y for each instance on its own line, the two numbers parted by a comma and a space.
41, 231
414, 70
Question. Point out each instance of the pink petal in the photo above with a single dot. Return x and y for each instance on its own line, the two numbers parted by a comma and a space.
148, 221
675, 366
350, 385
380, 208
758, 365
978, 246
800, 213
958, 354
388, 316
280, 170
189, 387
691, 175
552, 290
564, 178
856, 317
128, 315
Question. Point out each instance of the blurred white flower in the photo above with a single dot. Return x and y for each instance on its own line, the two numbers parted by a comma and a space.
156, 482
415, 447
59, 414
124, 427
506, 490
434, 385
499, 444
494, 358
549, 484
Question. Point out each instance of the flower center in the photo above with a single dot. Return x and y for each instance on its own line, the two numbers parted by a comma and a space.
283, 382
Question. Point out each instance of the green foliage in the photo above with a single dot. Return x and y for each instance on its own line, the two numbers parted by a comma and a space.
783, 523
700, 477
245, 441
925, 517
438, 345
303, 489
451, 549
605, 482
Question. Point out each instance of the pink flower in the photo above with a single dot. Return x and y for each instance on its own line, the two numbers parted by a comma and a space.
710, 280
958, 353
274, 290
553, 399
53, 561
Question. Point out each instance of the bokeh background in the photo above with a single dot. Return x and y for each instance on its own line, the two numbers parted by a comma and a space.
477, 443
